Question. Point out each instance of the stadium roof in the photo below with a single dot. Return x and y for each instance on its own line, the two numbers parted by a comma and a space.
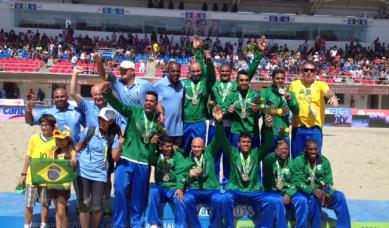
372, 8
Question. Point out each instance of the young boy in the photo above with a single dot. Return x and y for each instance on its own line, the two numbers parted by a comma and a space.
41, 145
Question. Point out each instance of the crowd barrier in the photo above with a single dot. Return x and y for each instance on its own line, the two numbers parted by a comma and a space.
335, 117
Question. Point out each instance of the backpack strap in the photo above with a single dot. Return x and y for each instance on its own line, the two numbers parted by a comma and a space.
88, 137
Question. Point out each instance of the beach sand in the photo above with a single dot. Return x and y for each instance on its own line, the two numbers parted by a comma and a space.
359, 158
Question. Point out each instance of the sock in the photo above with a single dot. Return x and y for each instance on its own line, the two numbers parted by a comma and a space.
27, 226
43, 225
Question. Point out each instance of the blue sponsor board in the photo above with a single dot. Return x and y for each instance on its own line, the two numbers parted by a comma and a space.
276, 18
196, 15
25, 6
113, 10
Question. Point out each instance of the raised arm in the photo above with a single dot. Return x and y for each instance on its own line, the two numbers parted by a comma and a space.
219, 130
28, 117
210, 78
268, 137
73, 85
220, 135
258, 55
198, 54
100, 67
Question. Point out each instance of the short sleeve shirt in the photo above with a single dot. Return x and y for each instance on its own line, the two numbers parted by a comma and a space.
306, 96
171, 98
130, 95
71, 117
92, 160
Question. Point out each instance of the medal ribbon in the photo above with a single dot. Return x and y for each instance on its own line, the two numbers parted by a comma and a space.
225, 87
279, 172
148, 124
195, 89
245, 163
199, 162
165, 163
243, 102
312, 173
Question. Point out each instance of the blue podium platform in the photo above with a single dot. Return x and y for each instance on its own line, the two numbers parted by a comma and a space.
364, 213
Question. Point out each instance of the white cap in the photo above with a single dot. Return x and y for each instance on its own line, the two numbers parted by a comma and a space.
107, 114
126, 64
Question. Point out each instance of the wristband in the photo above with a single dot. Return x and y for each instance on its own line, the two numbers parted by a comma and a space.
23, 174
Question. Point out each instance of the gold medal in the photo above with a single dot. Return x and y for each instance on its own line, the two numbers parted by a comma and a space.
279, 185
166, 177
245, 177
199, 169
195, 101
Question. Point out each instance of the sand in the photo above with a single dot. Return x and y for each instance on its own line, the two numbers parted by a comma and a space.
359, 158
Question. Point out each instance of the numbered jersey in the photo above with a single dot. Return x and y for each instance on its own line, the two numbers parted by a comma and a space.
39, 147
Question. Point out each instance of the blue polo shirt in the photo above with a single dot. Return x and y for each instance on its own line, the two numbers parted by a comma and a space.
72, 117
91, 112
130, 95
92, 161
171, 98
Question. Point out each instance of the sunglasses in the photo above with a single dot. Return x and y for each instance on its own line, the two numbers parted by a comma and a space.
306, 70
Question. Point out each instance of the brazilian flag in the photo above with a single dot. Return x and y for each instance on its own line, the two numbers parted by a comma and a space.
51, 171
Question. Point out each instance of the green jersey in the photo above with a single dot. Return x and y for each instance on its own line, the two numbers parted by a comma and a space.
221, 89
140, 128
207, 180
196, 97
274, 99
244, 171
309, 177
243, 119
277, 175
169, 172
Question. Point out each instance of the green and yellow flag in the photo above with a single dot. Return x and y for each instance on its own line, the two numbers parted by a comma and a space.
51, 171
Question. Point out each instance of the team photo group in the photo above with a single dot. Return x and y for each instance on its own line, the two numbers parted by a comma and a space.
214, 142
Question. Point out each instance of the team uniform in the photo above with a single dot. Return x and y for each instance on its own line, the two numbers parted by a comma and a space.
277, 177
204, 189
195, 105
43, 148
244, 185
133, 168
309, 177
273, 99
309, 123
243, 119
169, 176
220, 91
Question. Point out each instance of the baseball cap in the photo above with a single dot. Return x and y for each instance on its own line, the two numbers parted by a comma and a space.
107, 114
126, 64
58, 134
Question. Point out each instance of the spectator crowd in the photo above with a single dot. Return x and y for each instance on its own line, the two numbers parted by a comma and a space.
354, 63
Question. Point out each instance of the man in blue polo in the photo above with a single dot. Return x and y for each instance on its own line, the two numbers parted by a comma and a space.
65, 114
171, 93
130, 89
